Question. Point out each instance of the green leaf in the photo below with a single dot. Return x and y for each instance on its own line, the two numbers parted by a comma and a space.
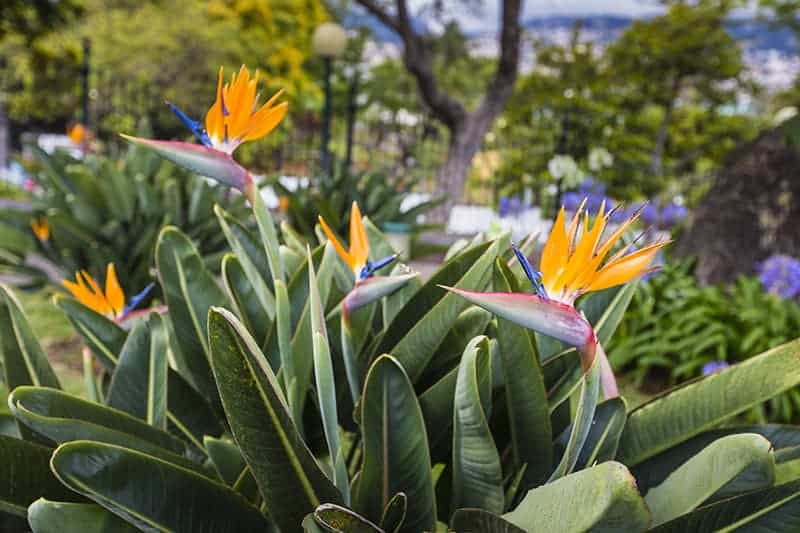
342, 520
47, 516
599, 499
478, 520
190, 290
188, 413
283, 327
603, 440
25, 476
526, 396
243, 295
396, 454
226, 458
326, 384
773, 510
605, 309
682, 413
429, 295
60, 417
262, 427
147, 491
24, 361
139, 383
709, 471
250, 257
93, 392
395, 513
269, 236
103, 336
582, 423
302, 341
477, 474
653, 471
418, 346
437, 408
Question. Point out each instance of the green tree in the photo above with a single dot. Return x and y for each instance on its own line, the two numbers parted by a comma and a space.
144, 53
687, 48
466, 125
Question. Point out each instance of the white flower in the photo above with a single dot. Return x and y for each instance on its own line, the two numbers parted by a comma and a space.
562, 166
784, 114
600, 158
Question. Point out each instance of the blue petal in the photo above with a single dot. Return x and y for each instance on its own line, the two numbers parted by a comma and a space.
193, 125
370, 268
533, 275
137, 299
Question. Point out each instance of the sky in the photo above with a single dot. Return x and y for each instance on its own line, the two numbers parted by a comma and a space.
489, 14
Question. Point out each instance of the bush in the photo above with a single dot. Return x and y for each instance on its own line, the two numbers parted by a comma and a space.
102, 209
379, 196
674, 328
231, 410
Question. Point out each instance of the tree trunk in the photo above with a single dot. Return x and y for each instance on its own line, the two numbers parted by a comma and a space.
466, 138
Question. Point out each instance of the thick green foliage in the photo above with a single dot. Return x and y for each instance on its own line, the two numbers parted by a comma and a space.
674, 326
379, 197
199, 424
101, 209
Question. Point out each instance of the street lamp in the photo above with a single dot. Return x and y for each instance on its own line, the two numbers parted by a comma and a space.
329, 40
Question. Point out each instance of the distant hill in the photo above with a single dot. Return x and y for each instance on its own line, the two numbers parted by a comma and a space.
754, 34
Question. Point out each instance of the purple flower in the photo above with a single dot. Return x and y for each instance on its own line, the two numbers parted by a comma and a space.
503, 207
780, 274
571, 200
671, 214
591, 185
714, 366
515, 206
650, 214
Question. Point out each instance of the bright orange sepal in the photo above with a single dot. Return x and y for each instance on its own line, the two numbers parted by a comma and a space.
572, 256
356, 257
233, 117
87, 291
41, 228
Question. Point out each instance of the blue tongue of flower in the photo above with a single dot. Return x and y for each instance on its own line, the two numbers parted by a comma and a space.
137, 299
533, 275
371, 267
193, 125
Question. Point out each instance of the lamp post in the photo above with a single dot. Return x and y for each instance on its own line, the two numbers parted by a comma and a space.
329, 40
354, 75
85, 82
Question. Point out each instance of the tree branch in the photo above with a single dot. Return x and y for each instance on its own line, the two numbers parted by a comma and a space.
502, 84
419, 62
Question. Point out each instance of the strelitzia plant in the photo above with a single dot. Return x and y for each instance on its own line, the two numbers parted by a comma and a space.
234, 118
573, 263
109, 302
367, 287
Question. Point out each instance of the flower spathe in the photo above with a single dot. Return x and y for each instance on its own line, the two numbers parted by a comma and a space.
109, 301
41, 228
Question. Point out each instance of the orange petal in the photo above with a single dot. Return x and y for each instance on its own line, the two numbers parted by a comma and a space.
114, 294
626, 268
214, 116
359, 245
555, 249
265, 120
346, 257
